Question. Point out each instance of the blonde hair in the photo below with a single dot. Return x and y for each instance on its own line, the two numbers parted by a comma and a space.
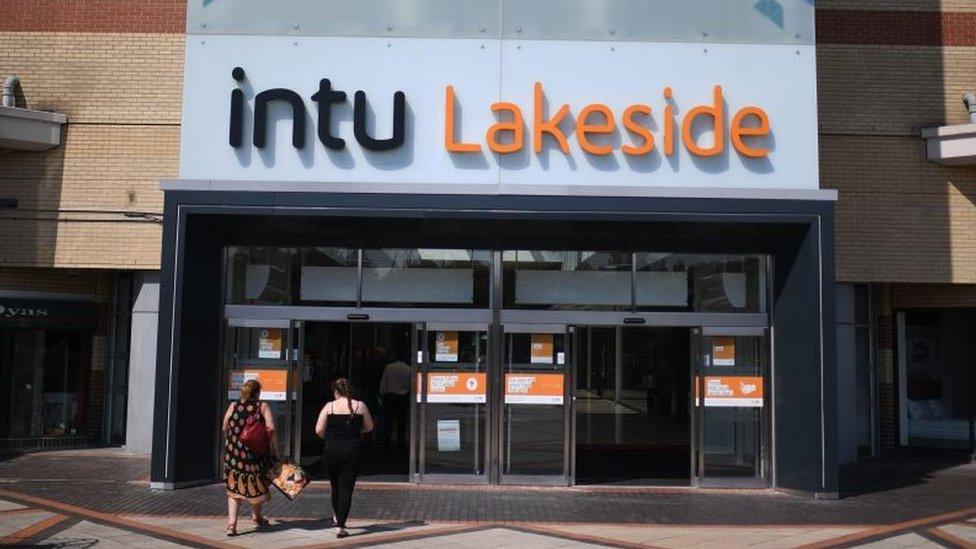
251, 390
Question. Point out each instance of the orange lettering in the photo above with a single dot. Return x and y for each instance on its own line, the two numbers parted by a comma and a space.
551, 126
739, 131
647, 138
514, 126
717, 112
583, 128
668, 123
449, 142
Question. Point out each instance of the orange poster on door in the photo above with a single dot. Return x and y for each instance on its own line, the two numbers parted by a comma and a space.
530, 388
269, 343
446, 347
274, 383
723, 351
734, 391
457, 387
541, 349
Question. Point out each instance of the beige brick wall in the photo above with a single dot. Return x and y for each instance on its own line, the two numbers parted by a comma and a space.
122, 94
69, 281
900, 218
908, 5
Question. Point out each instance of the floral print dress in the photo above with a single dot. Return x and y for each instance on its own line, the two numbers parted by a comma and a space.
245, 471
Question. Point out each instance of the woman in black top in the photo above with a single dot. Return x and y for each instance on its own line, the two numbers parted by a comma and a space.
342, 423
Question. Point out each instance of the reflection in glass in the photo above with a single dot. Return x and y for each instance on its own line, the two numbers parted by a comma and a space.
565, 279
43, 377
330, 275
424, 277
259, 275
732, 436
534, 410
454, 431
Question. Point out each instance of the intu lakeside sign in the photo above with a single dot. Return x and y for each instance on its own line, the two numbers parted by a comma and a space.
594, 125
499, 112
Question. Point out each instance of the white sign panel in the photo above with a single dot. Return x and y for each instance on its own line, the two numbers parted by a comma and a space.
448, 435
493, 112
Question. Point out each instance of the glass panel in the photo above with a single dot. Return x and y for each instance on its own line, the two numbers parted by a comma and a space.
426, 277
940, 379
260, 353
42, 383
330, 275
534, 416
455, 407
259, 275
567, 279
733, 389
719, 283
740, 21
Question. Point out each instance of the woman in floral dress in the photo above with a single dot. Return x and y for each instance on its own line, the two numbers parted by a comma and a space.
245, 470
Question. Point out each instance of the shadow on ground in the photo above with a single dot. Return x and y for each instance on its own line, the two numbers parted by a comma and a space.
902, 469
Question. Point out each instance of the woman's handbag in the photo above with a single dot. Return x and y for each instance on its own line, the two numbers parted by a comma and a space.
255, 434
288, 477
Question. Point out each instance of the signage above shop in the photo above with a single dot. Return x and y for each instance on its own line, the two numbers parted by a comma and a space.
41, 313
453, 111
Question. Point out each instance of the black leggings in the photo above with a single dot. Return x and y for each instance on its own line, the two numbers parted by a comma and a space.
342, 465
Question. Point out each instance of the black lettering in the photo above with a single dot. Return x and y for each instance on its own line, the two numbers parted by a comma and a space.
325, 97
359, 123
237, 110
261, 115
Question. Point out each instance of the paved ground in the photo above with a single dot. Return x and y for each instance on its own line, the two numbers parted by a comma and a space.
86, 498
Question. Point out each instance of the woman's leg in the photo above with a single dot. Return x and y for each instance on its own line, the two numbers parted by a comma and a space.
231, 511
347, 483
256, 511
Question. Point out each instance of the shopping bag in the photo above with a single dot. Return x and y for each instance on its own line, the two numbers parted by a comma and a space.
288, 477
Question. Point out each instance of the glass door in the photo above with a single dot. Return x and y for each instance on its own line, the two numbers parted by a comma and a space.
536, 411
731, 385
452, 403
266, 351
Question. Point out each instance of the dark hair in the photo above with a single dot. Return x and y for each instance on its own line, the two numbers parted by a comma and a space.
343, 388
251, 390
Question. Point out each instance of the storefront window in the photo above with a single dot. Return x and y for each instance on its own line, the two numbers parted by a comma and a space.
259, 275
420, 277
719, 283
567, 279
939, 378
43, 377
330, 275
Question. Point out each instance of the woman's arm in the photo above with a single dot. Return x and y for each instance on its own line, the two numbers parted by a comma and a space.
320, 424
226, 424
367, 419
269, 424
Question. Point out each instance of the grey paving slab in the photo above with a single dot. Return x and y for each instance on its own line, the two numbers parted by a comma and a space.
101, 536
12, 523
9, 505
903, 541
489, 538
961, 531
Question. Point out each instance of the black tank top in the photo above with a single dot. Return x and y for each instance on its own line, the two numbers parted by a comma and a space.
343, 428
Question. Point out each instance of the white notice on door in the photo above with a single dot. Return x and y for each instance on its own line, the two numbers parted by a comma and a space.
449, 435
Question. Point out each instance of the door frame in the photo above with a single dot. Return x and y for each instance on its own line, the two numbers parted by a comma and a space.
569, 409
765, 473
418, 413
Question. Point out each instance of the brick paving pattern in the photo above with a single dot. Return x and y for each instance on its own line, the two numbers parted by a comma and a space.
86, 497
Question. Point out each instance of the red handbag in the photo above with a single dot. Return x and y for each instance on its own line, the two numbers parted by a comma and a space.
255, 434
